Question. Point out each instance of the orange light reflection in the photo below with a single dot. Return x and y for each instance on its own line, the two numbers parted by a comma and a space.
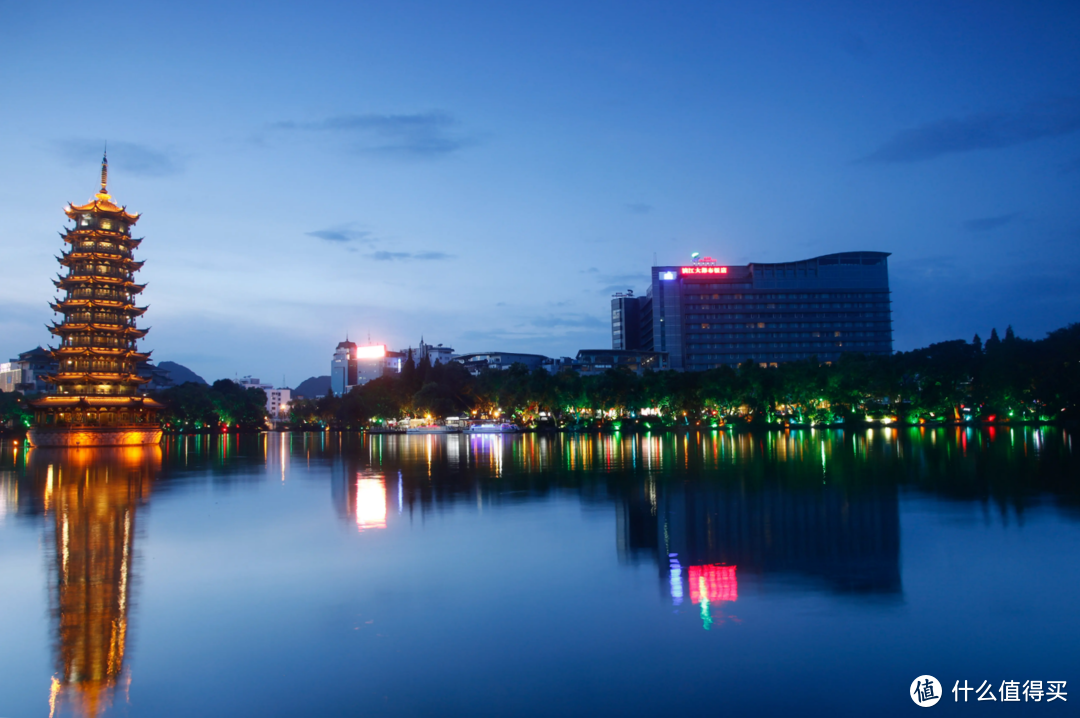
370, 504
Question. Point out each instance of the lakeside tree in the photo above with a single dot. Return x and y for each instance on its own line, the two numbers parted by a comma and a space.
225, 403
1012, 378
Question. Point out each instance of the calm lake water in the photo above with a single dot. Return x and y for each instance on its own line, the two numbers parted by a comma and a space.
720, 573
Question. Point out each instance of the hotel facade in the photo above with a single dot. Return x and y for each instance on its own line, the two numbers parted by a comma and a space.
705, 314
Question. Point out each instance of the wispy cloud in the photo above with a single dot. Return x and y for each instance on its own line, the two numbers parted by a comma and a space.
982, 131
343, 234
638, 207
425, 134
128, 157
386, 256
566, 320
621, 282
985, 224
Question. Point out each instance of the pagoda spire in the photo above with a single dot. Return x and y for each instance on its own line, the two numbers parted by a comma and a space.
105, 171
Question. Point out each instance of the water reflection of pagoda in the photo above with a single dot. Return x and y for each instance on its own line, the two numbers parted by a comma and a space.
93, 496
96, 401
706, 536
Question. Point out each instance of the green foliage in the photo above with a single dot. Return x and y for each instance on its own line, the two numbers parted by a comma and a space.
14, 411
956, 380
197, 406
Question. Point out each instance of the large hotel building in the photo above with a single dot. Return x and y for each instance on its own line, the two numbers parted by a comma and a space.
706, 314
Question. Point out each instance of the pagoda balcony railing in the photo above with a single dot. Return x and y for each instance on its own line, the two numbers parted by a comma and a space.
100, 343
79, 272
81, 367
95, 390
112, 320
104, 294
99, 248
91, 418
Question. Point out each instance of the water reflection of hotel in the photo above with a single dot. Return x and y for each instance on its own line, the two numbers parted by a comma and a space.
706, 537
91, 498
360, 494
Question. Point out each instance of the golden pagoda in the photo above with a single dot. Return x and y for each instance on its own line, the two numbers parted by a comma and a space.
96, 401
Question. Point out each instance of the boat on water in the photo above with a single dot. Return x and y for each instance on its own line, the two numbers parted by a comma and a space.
432, 429
503, 428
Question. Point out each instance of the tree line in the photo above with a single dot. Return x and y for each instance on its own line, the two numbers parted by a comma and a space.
1002, 379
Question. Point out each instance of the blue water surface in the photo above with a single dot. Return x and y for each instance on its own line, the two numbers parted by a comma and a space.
812, 572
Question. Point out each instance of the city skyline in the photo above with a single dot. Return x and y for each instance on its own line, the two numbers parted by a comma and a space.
487, 176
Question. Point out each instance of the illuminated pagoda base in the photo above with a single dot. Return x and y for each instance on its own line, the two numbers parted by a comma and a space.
96, 400
42, 437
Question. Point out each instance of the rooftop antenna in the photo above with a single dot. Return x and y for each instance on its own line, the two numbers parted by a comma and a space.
654, 259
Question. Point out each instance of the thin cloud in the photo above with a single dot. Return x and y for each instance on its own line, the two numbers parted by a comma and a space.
425, 134
343, 235
983, 131
385, 256
985, 224
129, 157
566, 320
622, 282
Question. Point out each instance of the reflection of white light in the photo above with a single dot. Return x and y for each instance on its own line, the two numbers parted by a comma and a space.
370, 504
676, 580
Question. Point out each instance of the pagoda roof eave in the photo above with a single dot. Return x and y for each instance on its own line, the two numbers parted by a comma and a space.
101, 204
105, 352
92, 378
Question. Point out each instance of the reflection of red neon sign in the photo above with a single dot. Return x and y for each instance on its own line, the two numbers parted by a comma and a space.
703, 270
713, 583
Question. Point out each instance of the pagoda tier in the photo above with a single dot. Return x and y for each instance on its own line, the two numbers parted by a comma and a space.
97, 380
87, 262
97, 305
115, 332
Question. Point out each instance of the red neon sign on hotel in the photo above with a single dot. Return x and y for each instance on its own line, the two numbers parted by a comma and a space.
703, 270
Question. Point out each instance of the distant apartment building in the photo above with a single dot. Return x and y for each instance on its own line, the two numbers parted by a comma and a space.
23, 373
597, 361
626, 321
435, 353
705, 314
277, 400
253, 383
476, 363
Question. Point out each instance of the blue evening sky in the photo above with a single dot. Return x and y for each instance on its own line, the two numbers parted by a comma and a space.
488, 173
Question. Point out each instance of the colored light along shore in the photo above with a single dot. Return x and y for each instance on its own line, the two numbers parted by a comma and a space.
97, 401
